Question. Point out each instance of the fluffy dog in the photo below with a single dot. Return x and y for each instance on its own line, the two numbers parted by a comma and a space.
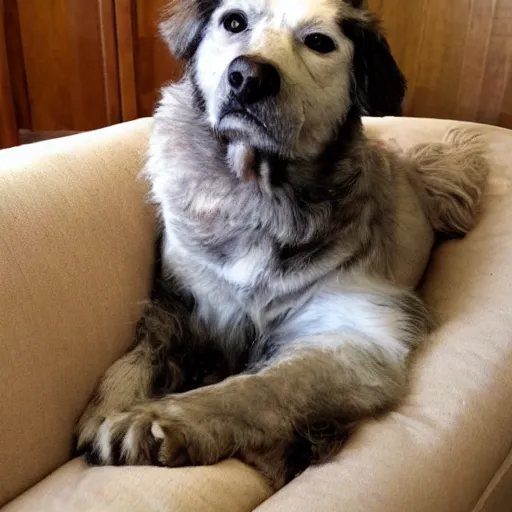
290, 242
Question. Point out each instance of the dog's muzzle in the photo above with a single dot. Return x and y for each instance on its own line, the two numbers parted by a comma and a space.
250, 108
252, 80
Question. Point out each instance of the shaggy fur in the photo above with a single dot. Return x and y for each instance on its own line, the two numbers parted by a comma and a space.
290, 243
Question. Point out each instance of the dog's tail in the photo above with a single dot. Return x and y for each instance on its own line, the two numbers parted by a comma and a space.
454, 174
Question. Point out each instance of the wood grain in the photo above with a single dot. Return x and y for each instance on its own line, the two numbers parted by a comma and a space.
456, 55
8, 124
125, 20
154, 64
110, 62
16, 64
144, 61
63, 47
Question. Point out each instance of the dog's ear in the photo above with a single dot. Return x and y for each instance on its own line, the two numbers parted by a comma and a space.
378, 85
183, 25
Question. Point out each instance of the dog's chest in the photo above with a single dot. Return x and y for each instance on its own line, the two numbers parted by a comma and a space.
239, 259
236, 268
240, 248
232, 286
256, 244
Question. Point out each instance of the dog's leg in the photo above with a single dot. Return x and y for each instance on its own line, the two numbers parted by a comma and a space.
339, 359
165, 358
129, 380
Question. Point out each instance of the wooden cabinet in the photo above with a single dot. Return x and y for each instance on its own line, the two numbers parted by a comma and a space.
73, 65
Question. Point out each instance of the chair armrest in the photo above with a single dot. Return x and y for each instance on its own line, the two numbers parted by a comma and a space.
76, 252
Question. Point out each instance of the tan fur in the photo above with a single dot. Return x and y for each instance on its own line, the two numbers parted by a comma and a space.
254, 416
453, 174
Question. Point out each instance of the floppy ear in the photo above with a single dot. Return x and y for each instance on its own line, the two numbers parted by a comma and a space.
183, 25
378, 85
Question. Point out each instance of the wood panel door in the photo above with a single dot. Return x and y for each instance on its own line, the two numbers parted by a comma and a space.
456, 54
68, 48
144, 60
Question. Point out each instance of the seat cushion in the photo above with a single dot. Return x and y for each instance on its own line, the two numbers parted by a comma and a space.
75, 487
438, 452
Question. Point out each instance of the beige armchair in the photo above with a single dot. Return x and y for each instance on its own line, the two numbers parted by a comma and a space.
76, 248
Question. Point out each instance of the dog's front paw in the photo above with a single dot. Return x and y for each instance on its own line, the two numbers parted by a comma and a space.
156, 433
123, 438
87, 429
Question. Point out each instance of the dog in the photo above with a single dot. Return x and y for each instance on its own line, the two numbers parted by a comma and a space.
291, 241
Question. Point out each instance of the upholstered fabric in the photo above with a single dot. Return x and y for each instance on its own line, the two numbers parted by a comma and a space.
76, 248
75, 254
229, 486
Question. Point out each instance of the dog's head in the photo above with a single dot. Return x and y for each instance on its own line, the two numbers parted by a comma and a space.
282, 75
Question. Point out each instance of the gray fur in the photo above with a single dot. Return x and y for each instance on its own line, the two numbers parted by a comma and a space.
288, 258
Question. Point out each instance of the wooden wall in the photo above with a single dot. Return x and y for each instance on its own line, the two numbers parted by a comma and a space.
456, 54
77, 65
145, 62
152, 58
69, 54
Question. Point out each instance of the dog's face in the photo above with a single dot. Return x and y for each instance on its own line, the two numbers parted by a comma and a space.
281, 75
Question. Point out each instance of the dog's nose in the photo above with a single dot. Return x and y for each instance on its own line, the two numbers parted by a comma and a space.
253, 80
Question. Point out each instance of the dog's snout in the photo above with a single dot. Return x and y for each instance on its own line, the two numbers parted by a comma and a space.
253, 80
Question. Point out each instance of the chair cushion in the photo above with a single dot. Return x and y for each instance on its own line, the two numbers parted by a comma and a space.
230, 485
439, 451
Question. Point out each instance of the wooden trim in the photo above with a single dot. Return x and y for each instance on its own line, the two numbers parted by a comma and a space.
8, 123
125, 16
106, 10
16, 62
505, 118
28, 136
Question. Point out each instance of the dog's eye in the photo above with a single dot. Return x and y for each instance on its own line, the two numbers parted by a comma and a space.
234, 22
320, 43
